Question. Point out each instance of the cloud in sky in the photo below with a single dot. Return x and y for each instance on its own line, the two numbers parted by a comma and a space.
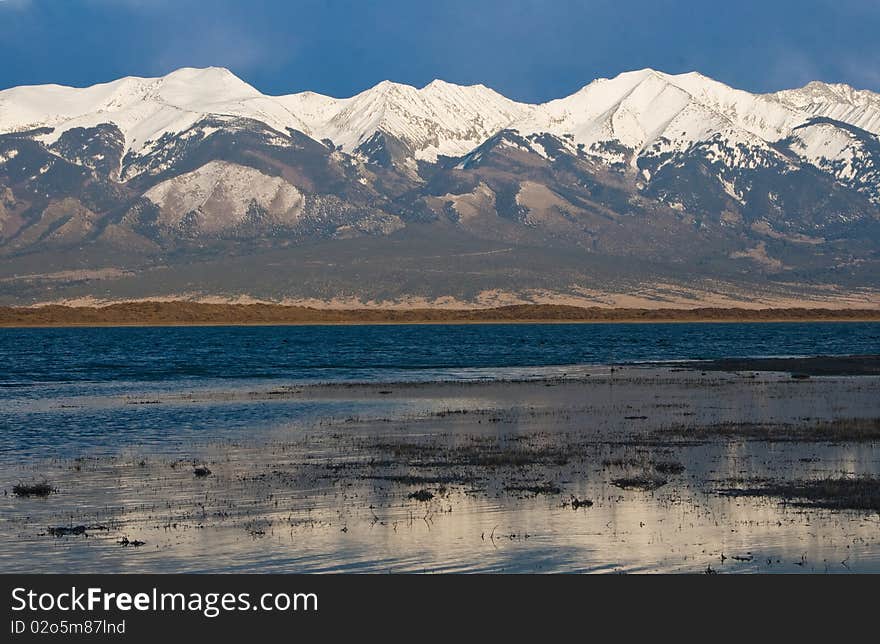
528, 49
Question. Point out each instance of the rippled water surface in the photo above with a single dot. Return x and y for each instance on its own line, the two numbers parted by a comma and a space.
503, 425
63, 390
358, 352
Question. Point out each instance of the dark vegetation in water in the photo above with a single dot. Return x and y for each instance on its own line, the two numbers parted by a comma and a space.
383, 482
478, 451
576, 503
643, 483
842, 493
518, 464
539, 488
799, 368
416, 479
516, 458
645, 464
41, 489
668, 467
642, 472
844, 429
75, 530
63, 531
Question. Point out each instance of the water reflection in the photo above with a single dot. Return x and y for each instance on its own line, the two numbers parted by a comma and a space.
320, 479
274, 509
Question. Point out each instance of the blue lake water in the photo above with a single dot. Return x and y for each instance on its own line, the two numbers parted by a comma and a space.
381, 352
64, 390
146, 402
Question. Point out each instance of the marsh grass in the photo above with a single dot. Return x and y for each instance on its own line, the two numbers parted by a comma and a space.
840, 430
646, 465
41, 489
484, 453
842, 493
642, 482
535, 489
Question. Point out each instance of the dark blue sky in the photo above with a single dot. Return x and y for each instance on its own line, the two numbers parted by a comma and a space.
528, 49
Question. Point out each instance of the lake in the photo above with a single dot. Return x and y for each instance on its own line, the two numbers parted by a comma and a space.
435, 448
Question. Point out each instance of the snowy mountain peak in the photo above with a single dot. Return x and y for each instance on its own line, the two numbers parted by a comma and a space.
837, 101
441, 118
438, 85
817, 91
191, 87
677, 170
645, 111
650, 110
143, 109
389, 88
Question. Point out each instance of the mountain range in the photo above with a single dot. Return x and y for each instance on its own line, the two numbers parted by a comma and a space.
645, 189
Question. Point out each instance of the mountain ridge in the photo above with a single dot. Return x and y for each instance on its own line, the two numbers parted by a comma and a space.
218, 91
703, 183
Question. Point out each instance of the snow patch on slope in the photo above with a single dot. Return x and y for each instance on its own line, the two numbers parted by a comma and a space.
850, 156
219, 196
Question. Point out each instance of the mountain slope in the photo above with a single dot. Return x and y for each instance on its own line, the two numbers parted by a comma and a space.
859, 108
676, 187
638, 109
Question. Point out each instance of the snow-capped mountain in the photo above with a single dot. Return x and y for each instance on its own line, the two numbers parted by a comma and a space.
676, 170
144, 109
647, 112
439, 119
860, 108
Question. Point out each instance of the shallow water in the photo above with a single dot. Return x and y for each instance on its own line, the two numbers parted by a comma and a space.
304, 477
319, 493
239, 521
64, 392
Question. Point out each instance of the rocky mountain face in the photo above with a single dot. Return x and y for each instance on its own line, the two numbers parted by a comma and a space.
647, 188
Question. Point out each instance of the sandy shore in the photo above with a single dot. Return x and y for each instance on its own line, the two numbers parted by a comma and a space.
620, 469
191, 313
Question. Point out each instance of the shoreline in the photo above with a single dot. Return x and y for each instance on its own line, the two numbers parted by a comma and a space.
178, 314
